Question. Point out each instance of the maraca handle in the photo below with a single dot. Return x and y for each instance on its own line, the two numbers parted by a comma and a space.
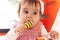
40, 38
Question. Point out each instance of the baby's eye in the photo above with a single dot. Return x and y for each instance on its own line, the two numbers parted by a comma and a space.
26, 12
35, 13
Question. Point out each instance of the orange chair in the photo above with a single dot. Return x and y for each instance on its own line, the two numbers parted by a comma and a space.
51, 9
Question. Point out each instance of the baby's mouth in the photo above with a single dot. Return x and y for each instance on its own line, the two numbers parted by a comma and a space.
28, 24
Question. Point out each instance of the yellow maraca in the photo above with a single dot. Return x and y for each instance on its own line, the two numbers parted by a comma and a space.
28, 24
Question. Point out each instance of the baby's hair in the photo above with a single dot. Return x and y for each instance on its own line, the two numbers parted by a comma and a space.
33, 2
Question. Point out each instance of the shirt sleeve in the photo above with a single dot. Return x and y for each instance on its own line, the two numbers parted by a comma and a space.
44, 32
11, 35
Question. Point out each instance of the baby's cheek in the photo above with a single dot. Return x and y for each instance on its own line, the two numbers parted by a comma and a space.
22, 20
36, 19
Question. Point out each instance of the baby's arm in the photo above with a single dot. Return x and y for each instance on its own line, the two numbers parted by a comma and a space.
14, 32
11, 35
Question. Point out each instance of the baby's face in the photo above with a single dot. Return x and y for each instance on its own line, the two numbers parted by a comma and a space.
30, 12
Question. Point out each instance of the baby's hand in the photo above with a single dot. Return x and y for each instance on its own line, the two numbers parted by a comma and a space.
54, 34
19, 28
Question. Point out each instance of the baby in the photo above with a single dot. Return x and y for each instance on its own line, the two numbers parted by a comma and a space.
32, 11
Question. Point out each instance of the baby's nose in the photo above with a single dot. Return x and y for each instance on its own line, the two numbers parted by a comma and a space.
29, 15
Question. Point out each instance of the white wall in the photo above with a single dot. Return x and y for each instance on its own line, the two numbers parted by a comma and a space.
8, 13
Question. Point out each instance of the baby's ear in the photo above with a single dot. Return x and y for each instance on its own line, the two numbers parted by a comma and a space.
44, 16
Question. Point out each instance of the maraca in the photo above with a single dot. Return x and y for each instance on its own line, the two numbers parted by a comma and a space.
28, 24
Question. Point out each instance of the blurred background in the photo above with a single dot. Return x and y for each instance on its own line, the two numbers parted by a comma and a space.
9, 15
